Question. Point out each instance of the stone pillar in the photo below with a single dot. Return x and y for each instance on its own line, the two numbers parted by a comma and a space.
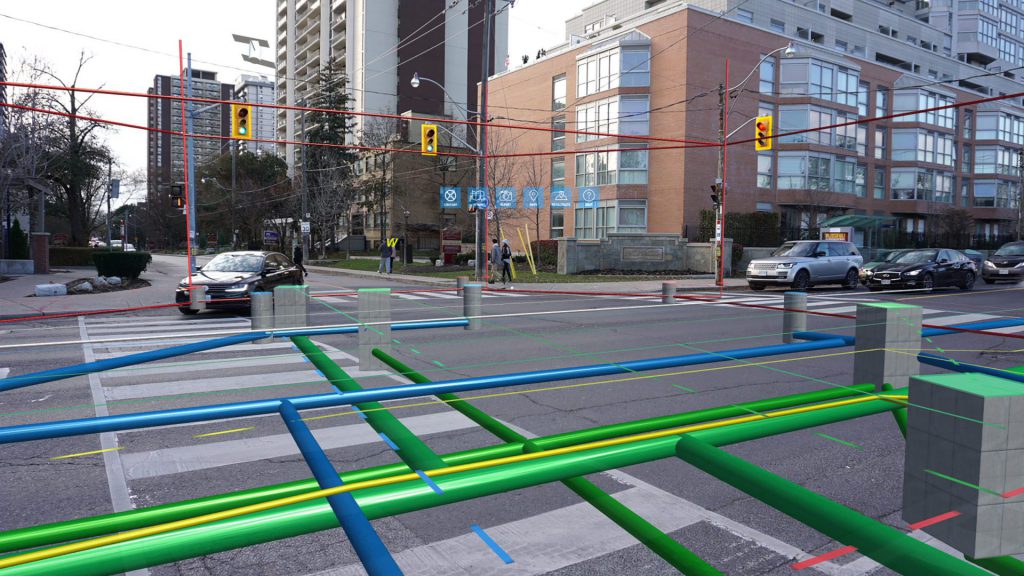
668, 292
41, 252
198, 298
375, 326
969, 427
262, 313
793, 321
471, 309
567, 256
291, 306
888, 341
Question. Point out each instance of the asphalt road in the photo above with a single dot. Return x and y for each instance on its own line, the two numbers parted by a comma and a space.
546, 529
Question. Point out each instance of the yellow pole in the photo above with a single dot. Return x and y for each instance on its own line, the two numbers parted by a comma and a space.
529, 260
529, 250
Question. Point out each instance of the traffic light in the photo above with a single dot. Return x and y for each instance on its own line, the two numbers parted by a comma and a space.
763, 126
428, 139
178, 195
241, 121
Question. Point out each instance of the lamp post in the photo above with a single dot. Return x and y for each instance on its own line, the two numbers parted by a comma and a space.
720, 187
406, 257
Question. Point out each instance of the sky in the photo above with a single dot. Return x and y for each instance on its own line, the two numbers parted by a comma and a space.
147, 44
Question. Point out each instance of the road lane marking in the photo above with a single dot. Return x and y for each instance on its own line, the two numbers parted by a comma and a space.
89, 453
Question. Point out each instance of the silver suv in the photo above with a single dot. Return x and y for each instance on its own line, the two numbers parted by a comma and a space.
804, 263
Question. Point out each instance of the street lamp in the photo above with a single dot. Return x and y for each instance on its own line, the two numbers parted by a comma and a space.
405, 238
720, 182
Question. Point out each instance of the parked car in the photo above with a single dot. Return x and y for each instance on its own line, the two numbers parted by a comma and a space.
805, 263
232, 276
868, 268
1006, 264
129, 247
925, 269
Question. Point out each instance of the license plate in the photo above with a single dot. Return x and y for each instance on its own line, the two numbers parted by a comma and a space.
1005, 272
762, 272
886, 282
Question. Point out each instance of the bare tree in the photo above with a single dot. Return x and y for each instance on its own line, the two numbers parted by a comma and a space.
380, 186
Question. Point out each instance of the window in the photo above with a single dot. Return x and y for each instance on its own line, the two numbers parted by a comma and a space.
778, 26
558, 138
860, 180
845, 176
632, 166
863, 90
943, 188
880, 143
1008, 20
1007, 49
995, 194
846, 136
764, 170
968, 160
965, 193
995, 160
764, 207
792, 172
636, 66
919, 184
821, 81
904, 145
767, 84
793, 77
557, 181
881, 101
557, 223
557, 173
987, 31
600, 71
968, 123
632, 216
607, 167
745, 16
842, 46
847, 86
603, 116
911, 100
819, 173
558, 93
879, 186
633, 119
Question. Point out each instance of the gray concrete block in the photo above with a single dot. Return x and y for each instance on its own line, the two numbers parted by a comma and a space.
375, 331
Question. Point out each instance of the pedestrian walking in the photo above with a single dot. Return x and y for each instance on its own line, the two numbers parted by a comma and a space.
506, 261
495, 260
385, 259
297, 258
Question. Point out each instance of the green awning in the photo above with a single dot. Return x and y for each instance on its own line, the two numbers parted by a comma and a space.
857, 221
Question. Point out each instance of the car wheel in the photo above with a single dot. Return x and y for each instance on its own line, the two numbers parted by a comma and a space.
187, 311
802, 280
928, 282
852, 279
754, 286
968, 281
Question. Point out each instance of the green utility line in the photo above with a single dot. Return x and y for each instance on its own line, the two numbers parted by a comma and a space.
662, 544
57, 532
411, 449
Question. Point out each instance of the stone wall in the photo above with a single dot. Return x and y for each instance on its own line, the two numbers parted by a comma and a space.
640, 252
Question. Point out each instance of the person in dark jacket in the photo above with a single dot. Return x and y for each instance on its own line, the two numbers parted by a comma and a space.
297, 258
506, 261
385, 259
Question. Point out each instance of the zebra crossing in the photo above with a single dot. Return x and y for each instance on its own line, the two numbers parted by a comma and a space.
335, 298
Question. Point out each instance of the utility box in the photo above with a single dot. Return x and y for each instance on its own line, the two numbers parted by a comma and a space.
965, 455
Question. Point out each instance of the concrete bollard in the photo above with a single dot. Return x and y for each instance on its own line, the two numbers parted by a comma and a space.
375, 328
461, 281
262, 313
198, 298
291, 306
888, 341
471, 309
793, 321
668, 292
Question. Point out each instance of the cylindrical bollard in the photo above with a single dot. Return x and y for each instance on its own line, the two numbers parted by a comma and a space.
471, 297
668, 292
461, 281
198, 298
262, 313
794, 319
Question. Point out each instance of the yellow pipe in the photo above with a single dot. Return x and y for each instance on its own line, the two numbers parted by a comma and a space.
298, 498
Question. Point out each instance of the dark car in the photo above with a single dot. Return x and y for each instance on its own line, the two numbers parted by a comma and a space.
926, 269
232, 276
1007, 264
882, 258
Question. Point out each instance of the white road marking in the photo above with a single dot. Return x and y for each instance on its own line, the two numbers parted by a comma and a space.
227, 363
128, 329
960, 319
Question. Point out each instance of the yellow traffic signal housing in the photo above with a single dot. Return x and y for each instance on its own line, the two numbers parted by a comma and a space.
428, 139
179, 202
241, 121
763, 128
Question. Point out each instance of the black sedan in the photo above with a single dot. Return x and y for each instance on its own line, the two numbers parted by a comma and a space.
1007, 264
232, 276
924, 269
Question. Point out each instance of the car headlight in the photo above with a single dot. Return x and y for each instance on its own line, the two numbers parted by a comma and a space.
237, 288
913, 273
1021, 265
989, 264
867, 271
784, 265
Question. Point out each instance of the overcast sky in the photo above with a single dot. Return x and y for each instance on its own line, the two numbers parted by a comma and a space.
205, 27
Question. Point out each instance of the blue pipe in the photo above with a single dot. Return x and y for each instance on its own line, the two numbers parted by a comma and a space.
956, 366
14, 382
119, 422
986, 325
371, 551
818, 336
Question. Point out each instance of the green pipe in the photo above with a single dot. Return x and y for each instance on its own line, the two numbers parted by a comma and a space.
677, 555
899, 415
885, 545
411, 449
48, 534
383, 501
1002, 565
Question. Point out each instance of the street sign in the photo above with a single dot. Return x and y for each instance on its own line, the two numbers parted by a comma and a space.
588, 197
506, 197
270, 237
561, 198
490, 214
478, 198
304, 227
115, 188
533, 197
451, 197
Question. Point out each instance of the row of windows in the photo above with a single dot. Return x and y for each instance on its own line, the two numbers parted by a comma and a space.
602, 167
625, 114
626, 66
1000, 126
611, 216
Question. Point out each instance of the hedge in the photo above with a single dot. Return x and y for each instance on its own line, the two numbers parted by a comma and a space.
546, 252
128, 265
72, 255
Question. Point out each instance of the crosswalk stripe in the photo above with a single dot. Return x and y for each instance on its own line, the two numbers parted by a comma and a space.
135, 391
335, 299
233, 348
207, 366
405, 296
184, 329
960, 319
838, 309
202, 456
439, 295
106, 322
1008, 329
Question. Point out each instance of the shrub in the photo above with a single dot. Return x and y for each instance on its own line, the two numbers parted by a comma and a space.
19, 242
72, 255
519, 259
463, 258
127, 265
546, 252
737, 254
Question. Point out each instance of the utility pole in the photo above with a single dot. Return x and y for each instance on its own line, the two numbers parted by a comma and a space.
191, 168
481, 174
234, 161
110, 188
304, 238
720, 188
1020, 194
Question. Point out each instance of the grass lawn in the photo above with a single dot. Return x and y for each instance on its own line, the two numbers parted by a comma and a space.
523, 273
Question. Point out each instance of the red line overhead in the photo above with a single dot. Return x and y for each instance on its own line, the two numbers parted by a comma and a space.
348, 112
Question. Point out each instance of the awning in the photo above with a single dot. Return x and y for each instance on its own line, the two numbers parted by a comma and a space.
858, 221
